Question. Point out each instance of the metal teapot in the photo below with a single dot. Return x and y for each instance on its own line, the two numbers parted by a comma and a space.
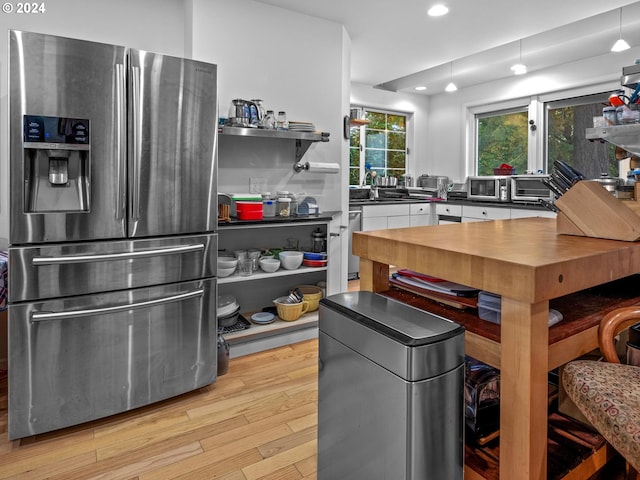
239, 113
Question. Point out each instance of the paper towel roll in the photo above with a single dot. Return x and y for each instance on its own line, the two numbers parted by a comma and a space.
317, 167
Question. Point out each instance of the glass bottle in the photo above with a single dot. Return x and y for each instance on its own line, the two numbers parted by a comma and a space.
282, 122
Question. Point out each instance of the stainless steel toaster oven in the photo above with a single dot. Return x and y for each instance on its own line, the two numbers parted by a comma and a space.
530, 189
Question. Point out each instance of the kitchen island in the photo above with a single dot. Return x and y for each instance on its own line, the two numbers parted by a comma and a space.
528, 264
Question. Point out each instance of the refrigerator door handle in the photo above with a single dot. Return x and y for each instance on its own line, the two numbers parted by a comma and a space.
121, 144
66, 259
37, 316
135, 142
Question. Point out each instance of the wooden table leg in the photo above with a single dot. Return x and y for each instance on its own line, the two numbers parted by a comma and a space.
523, 390
374, 276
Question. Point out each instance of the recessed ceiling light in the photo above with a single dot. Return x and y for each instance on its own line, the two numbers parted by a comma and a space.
421, 87
438, 10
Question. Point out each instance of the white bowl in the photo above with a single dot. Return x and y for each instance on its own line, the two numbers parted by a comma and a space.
290, 260
225, 272
269, 265
227, 262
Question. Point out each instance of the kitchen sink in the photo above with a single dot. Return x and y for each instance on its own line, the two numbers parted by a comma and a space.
386, 195
362, 201
359, 193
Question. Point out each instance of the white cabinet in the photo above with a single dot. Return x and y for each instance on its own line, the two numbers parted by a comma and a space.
396, 215
381, 217
449, 210
477, 213
421, 214
449, 213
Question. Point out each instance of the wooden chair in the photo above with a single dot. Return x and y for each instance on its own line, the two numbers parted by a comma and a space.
608, 393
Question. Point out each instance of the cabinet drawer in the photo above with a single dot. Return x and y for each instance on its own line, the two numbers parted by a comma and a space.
385, 210
448, 209
486, 213
420, 208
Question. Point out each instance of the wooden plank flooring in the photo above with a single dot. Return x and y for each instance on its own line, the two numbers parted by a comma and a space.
258, 422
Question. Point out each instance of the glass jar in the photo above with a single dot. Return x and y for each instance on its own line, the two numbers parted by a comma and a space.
283, 207
294, 203
268, 208
282, 122
269, 121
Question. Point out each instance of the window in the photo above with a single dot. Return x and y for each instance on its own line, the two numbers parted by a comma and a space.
379, 146
567, 121
503, 135
502, 139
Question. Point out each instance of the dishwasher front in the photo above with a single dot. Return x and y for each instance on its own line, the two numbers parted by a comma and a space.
390, 391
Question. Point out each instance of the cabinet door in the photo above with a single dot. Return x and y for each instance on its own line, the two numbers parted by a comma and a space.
420, 214
387, 210
400, 221
374, 223
420, 220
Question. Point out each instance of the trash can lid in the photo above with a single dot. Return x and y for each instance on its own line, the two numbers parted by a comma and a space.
406, 324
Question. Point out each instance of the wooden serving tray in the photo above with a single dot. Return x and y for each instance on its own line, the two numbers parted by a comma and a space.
587, 209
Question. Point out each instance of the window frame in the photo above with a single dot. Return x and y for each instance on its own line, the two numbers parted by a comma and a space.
474, 112
537, 107
408, 116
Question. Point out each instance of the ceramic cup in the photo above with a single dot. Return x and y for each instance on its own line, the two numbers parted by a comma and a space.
290, 311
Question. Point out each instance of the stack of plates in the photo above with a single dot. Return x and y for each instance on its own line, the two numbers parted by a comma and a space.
302, 127
263, 318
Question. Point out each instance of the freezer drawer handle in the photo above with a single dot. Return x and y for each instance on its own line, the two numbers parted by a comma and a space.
37, 316
38, 261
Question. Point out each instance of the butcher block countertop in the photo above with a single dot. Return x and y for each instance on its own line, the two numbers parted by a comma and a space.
528, 264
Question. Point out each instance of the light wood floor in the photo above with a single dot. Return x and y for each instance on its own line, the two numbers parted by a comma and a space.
257, 422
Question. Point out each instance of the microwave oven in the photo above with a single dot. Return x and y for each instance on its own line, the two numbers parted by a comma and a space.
530, 189
489, 189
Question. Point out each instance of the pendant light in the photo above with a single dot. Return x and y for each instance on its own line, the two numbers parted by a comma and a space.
620, 45
519, 68
451, 87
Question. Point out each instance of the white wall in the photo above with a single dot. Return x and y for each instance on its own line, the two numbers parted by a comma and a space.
418, 108
141, 24
293, 63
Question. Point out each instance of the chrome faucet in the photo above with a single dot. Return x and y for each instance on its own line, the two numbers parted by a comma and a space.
364, 180
373, 193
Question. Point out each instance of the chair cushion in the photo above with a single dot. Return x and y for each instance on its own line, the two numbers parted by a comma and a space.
608, 395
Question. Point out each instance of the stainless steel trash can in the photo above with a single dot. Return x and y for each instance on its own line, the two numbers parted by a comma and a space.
390, 391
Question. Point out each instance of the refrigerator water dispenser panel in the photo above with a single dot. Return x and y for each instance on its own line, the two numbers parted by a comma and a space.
57, 164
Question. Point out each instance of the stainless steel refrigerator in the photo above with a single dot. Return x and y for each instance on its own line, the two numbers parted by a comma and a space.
113, 218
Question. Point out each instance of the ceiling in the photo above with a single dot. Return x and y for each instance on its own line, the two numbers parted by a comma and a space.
395, 45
